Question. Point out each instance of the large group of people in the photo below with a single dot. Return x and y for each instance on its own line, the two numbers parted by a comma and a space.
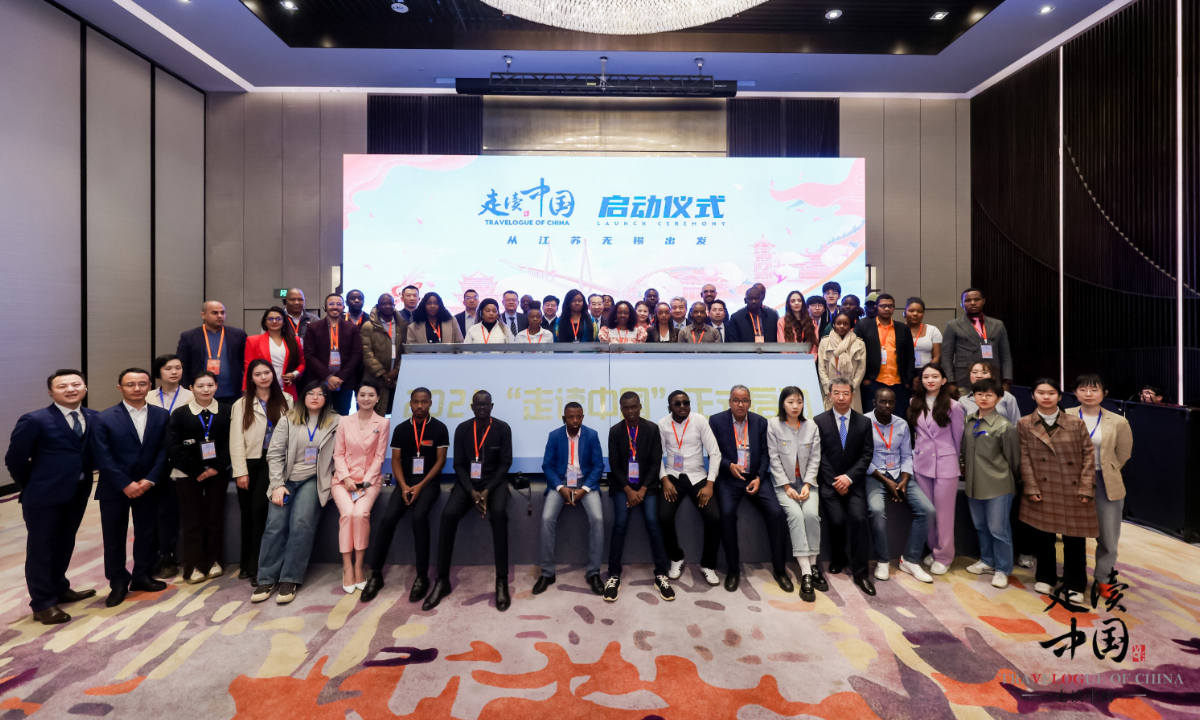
907, 411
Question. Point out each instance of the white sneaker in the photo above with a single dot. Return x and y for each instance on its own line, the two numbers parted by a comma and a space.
916, 571
927, 561
980, 568
1026, 561
710, 576
1043, 589
215, 572
676, 569
1075, 597
881, 571
196, 577
937, 568
999, 580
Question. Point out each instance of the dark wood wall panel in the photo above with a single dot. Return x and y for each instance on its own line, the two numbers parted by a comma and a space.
1191, 191
773, 127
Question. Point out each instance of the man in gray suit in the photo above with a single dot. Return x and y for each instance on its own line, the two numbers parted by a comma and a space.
972, 338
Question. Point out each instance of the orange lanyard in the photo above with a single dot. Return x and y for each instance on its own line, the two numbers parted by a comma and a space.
529, 338
744, 440
389, 326
632, 438
421, 439
981, 328
295, 325
756, 324
571, 443
487, 338
678, 442
920, 334
220, 344
575, 327
887, 442
694, 339
333, 336
437, 330
479, 443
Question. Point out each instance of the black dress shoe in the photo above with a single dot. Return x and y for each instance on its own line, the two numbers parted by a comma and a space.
785, 582
372, 588
818, 579
502, 598
420, 586
864, 583
544, 582
441, 588
806, 589
243, 575
116, 597
148, 585
836, 568
731, 582
71, 596
595, 583
51, 616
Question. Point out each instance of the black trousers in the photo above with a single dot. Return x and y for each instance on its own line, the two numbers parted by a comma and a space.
396, 508
114, 527
49, 544
710, 514
1074, 560
202, 520
842, 513
1022, 534
167, 542
253, 503
730, 494
457, 506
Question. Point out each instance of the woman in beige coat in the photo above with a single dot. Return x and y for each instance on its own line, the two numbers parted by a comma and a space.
432, 323
1112, 441
842, 354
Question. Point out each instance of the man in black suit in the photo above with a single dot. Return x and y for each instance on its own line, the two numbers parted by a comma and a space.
846, 451
753, 323
889, 355
746, 474
333, 354
129, 441
467, 317
50, 458
512, 318
216, 348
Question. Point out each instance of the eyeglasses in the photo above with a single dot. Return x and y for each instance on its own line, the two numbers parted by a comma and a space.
739, 401
684, 403
275, 319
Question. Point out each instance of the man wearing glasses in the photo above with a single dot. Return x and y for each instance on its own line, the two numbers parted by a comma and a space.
686, 438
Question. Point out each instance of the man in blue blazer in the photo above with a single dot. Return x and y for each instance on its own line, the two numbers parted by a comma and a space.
572, 465
217, 348
745, 474
129, 442
50, 458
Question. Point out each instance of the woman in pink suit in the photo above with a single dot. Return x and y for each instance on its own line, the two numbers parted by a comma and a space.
937, 423
279, 346
359, 447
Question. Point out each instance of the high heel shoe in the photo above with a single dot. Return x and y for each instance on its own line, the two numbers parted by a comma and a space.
361, 585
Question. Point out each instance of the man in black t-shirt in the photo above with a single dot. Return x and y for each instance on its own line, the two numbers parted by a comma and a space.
482, 457
419, 448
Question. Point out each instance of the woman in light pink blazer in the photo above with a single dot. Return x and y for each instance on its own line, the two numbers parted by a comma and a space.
359, 447
937, 423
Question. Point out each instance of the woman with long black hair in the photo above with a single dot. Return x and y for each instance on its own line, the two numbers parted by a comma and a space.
937, 421
432, 323
796, 325
280, 347
575, 324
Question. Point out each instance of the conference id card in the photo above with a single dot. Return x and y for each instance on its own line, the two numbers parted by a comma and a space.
310, 455
572, 478
759, 338
677, 462
208, 451
986, 350
214, 366
891, 461
476, 471
882, 356
634, 473
335, 360
393, 351
742, 458
418, 466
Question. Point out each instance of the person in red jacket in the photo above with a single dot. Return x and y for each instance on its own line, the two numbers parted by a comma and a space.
279, 346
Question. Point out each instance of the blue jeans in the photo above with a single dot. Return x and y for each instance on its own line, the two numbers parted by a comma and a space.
593, 505
621, 515
287, 541
990, 518
923, 514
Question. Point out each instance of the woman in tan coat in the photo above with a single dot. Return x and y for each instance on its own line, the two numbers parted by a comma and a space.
432, 323
1112, 440
842, 354
1058, 470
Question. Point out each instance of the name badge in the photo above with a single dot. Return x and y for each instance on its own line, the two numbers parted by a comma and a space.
310, 455
572, 478
418, 466
742, 457
476, 471
335, 359
214, 366
882, 356
677, 462
986, 350
890, 462
354, 496
393, 351
635, 473
759, 338
208, 451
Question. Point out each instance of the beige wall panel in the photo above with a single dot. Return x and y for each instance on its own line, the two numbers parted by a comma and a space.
901, 196
263, 221
39, 196
938, 317
118, 215
224, 209
861, 135
343, 131
178, 210
962, 109
548, 124
939, 198
301, 191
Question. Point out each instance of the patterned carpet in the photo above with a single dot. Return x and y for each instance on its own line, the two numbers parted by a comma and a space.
957, 648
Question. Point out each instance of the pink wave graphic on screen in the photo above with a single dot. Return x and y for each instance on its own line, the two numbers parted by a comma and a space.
849, 194
367, 172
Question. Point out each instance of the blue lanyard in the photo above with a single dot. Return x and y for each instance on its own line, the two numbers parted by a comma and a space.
976, 430
206, 425
312, 433
264, 407
163, 402
1098, 419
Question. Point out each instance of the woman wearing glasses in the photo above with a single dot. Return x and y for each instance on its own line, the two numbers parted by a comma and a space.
280, 347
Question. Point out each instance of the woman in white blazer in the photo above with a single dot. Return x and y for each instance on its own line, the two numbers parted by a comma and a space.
488, 331
1113, 442
794, 445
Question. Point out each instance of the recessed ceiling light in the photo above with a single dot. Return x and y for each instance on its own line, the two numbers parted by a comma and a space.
399, 7
833, 14
1045, 9
288, 5
939, 15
